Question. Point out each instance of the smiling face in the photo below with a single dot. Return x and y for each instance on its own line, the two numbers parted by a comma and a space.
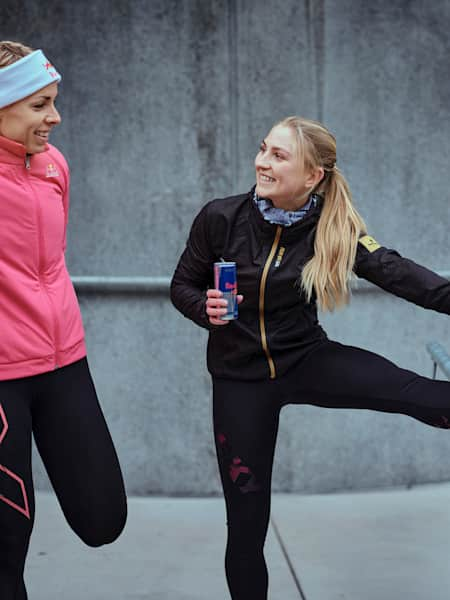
30, 121
280, 175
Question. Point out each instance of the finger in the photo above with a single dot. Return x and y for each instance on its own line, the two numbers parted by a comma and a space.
216, 302
239, 298
214, 293
215, 321
213, 311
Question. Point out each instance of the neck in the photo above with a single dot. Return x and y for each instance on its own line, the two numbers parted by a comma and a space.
292, 204
12, 146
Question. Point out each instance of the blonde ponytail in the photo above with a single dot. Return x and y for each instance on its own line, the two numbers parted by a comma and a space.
328, 272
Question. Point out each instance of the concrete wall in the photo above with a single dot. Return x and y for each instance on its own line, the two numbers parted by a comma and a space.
164, 104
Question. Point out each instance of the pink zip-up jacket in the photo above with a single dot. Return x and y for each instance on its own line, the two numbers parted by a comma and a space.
40, 321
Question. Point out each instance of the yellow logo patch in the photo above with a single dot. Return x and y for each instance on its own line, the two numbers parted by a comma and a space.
369, 242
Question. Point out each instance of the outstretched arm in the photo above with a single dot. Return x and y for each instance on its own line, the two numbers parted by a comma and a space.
401, 276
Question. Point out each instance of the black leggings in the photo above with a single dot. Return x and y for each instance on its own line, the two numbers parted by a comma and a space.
62, 411
246, 415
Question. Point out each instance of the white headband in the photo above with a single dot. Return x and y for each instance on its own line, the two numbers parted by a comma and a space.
25, 77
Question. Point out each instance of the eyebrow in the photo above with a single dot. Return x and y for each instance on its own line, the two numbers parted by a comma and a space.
276, 148
42, 97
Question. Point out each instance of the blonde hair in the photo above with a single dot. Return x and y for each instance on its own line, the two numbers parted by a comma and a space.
11, 52
329, 271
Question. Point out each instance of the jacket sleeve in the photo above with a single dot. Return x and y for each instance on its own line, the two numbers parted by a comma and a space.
194, 273
64, 183
66, 202
387, 269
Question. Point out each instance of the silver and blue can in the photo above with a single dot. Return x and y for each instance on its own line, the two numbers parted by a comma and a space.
225, 280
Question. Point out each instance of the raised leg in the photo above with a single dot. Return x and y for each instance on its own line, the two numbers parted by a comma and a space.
78, 453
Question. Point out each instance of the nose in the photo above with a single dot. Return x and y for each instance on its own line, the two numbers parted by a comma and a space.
53, 117
261, 161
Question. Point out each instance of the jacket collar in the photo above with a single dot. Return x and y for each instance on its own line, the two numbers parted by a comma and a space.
12, 152
266, 229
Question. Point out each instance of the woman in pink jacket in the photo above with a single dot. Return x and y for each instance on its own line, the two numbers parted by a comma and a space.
45, 385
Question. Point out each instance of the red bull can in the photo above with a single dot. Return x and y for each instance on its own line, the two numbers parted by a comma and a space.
225, 280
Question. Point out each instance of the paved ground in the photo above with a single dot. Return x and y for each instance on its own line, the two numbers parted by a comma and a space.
389, 545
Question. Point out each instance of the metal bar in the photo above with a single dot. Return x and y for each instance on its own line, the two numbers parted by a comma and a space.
440, 357
160, 285
119, 285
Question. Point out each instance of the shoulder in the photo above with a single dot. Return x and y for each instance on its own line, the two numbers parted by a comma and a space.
369, 249
217, 217
224, 209
369, 243
57, 159
228, 204
57, 156
371, 256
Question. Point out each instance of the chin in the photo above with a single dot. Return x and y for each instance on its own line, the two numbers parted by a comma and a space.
35, 149
261, 190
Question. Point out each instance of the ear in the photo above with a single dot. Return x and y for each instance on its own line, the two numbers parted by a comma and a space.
314, 177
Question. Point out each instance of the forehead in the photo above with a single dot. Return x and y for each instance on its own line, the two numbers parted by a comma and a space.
282, 137
49, 90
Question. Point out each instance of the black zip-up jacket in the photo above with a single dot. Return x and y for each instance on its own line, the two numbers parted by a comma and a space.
276, 327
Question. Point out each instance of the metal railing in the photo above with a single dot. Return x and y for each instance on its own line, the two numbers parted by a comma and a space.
440, 358
120, 285
155, 285
160, 285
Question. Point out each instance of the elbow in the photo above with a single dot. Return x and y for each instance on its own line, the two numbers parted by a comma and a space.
173, 292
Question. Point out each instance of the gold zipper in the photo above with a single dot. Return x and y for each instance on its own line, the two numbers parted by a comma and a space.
262, 290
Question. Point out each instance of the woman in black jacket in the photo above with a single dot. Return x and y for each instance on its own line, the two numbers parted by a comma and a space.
296, 238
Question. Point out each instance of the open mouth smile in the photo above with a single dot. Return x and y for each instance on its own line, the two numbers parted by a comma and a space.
265, 178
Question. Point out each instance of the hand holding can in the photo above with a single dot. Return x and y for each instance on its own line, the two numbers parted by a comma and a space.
225, 280
217, 304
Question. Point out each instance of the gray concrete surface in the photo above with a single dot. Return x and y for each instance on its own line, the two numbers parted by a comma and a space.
391, 544
375, 545
171, 549
164, 103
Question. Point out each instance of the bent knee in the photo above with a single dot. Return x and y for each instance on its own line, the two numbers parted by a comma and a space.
102, 530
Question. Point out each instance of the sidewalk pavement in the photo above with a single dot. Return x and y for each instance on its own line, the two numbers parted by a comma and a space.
390, 545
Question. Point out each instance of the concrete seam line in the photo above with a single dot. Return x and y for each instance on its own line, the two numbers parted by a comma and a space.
233, 89
288, 560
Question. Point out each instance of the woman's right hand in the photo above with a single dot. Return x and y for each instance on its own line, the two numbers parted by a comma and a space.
216, 306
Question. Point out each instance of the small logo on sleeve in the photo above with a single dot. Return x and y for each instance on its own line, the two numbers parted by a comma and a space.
52, 171
369, 243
